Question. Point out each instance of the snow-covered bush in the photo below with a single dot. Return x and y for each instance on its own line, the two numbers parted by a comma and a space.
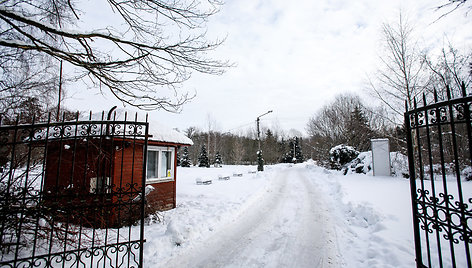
399, 163
466, 173
363, 164
340, 155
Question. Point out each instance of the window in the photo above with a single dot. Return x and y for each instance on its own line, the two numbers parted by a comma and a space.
100, 185
160, 164
152, 164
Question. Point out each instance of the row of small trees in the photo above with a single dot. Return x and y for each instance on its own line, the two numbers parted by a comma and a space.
232, 149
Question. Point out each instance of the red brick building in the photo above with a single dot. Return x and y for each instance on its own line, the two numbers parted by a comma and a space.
85, 169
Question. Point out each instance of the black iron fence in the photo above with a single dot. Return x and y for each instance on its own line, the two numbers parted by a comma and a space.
439, 137
71, 193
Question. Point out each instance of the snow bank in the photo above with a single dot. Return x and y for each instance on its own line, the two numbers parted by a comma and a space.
373, 217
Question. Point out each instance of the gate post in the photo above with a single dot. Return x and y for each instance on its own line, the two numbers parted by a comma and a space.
143, 193
414, 203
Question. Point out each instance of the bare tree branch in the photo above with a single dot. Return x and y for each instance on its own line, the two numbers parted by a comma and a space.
449, 70
142, 66
402, 76
453, 5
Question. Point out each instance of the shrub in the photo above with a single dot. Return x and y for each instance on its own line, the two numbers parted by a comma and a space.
341, 155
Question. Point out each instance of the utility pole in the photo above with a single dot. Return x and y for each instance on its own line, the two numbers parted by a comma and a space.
260, 161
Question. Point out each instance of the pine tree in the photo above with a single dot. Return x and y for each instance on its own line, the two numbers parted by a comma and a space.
283, 151
298, 151
270, 148
203, 158
178, 158
185, 161
294, 154
290, 155
218, 162
358, 130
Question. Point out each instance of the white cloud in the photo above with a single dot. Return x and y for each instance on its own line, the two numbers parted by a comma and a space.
293, 57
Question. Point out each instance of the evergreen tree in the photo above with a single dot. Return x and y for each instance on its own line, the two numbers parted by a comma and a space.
289, 156
294, 154
185, 161
358, 131
178, 158
283, 151
203, 158
298, 151
218, 162
270, 148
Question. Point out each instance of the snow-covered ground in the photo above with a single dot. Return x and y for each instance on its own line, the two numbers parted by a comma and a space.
287, 216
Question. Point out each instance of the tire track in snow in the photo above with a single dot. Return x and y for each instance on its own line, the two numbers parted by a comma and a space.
289, 226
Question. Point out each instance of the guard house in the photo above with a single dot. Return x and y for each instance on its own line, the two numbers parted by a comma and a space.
103, 162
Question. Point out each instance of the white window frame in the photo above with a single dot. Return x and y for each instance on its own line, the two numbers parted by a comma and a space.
160, 176
105, 187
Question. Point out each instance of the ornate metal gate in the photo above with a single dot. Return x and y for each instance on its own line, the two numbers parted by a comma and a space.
440, 162
64, 198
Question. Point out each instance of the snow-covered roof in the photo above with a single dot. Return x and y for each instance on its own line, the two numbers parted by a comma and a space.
161, 132
157, 130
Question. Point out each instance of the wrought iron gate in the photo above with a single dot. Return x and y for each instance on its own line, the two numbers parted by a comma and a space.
440, 162
71, 193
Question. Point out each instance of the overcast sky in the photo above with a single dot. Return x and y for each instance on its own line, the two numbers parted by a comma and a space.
293, 57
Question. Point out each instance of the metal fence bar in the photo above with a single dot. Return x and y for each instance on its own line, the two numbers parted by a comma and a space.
143, 194
439, 140
414, 203
422, 191
61, 202
431, 176
461, 206
446, 195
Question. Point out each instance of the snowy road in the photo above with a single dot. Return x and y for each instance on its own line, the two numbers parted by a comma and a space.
289, 226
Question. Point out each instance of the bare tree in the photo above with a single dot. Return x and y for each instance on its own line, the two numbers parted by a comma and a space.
345, 120
452, 5
211, 125
26, 77
331, 121
402, 76
449, 70
142, 64
238, 151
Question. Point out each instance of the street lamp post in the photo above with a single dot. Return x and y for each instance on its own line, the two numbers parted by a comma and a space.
294, 160
260, 162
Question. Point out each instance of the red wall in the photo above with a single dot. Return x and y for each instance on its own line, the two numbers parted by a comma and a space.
163, 197
121, 160
125, 170
71, 163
